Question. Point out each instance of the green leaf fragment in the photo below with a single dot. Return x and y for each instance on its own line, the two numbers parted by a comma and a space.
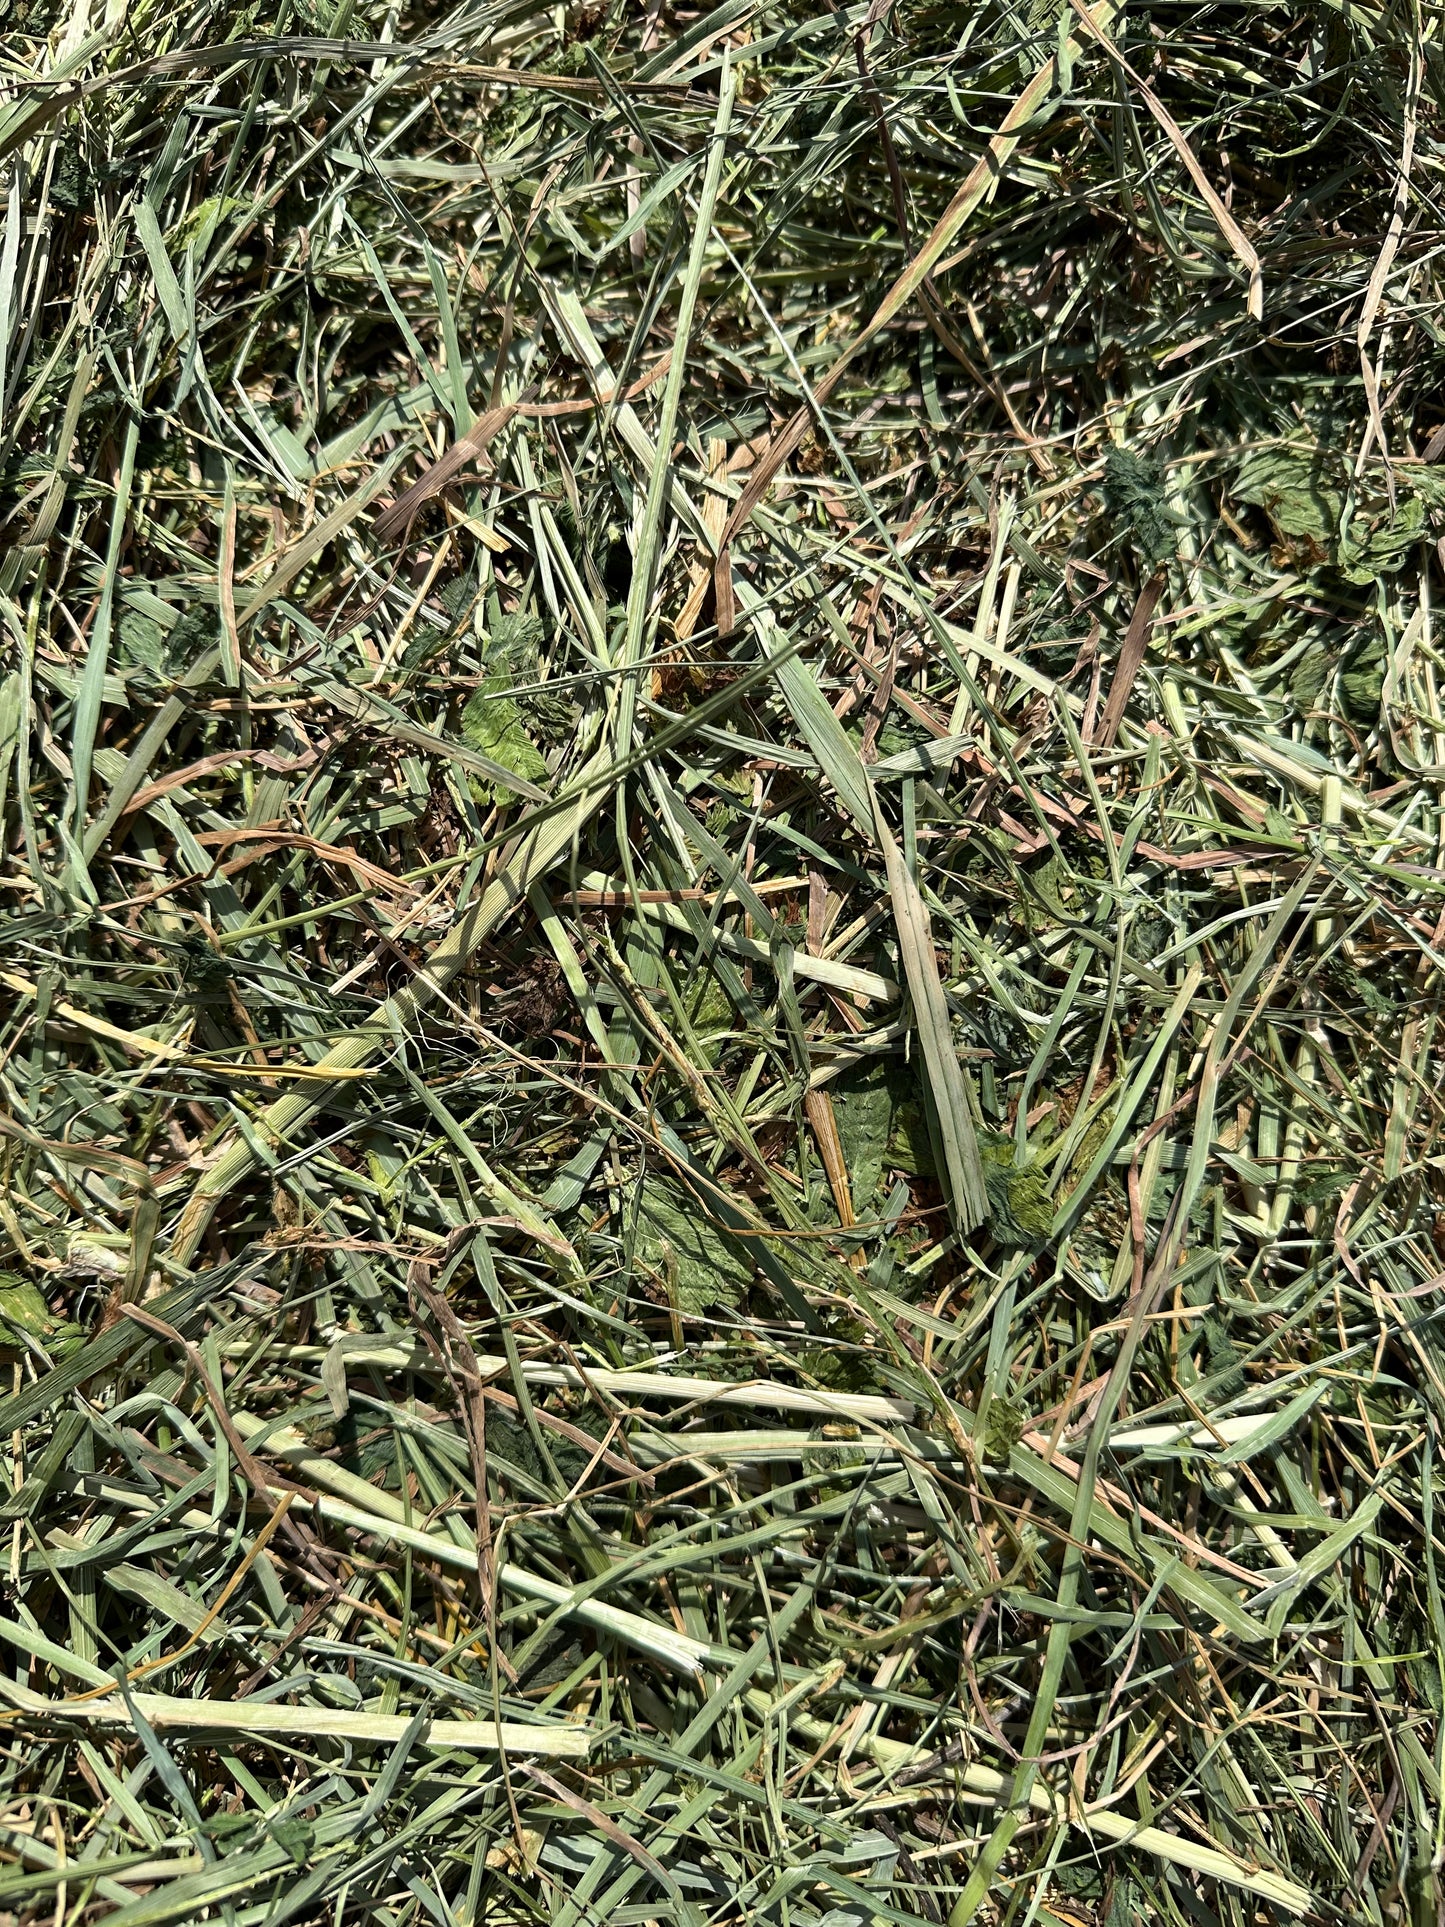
696, 1261
25, 1314
882, 1126
493, 725
1019, 1212
1134, 492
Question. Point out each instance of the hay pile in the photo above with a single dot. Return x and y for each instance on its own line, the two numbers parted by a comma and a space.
721, 760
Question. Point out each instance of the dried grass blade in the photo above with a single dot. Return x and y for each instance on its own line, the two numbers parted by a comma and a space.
470, 447
169, 1714
967, 1195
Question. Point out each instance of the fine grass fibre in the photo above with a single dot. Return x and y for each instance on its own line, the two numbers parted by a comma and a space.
723, 771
